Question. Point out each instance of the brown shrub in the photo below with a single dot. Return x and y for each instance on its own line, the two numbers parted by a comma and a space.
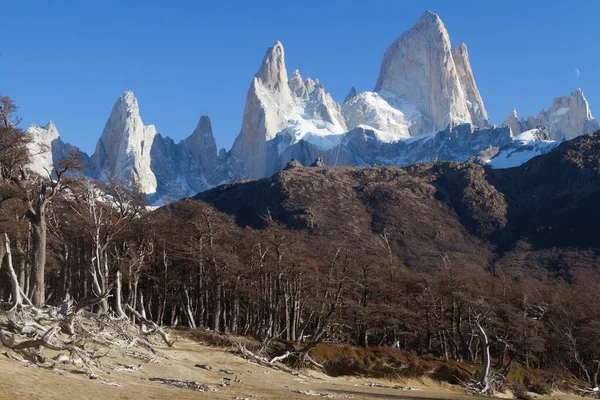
222, 340
520, 392
385, 362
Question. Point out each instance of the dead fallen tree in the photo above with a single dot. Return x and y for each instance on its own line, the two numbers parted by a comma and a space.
289, 362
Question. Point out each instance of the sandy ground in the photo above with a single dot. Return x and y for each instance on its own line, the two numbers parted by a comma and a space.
19, 381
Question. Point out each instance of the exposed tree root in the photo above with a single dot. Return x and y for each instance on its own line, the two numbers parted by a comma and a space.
81, 339
592, 393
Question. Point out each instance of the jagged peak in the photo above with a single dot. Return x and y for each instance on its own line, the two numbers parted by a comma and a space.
351, 94
297, 85
578, 94
272, 71
461, 49
309, 84
50, 126
204, 125
429, 19
127, 102
45, 132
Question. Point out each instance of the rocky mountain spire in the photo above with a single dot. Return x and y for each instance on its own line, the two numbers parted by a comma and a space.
351, 94
268, 102
272, 72
419, 68
297, 86
124, 147
568, 117
278, 113
201, 143
513, 122
475, 105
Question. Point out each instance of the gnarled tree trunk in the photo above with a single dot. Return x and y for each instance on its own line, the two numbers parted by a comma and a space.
485, 358
14, 282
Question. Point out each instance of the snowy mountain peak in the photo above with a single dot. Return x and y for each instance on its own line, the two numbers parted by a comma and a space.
279, 115
420, 69
123, 149
272, 70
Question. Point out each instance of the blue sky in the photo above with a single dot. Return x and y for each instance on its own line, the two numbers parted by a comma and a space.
68, 61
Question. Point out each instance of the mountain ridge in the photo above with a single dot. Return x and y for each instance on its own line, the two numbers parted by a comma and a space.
425, 107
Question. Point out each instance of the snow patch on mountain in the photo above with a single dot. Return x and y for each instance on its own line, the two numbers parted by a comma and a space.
522, 148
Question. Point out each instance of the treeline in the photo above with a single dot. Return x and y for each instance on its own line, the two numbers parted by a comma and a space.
66, 237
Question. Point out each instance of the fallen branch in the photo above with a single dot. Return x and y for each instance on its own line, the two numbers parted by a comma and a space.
213, 369
155, 328
193, 385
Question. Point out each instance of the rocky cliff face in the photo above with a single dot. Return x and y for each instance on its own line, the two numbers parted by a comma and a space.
474, 101
419, 67
568, 117
124, 147
190, 166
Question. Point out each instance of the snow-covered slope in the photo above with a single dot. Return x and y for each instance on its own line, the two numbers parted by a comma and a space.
522, 148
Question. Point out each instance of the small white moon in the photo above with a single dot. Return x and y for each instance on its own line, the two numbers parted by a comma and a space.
577, 72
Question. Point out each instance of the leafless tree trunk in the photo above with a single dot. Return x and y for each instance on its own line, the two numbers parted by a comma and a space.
118, 294
37, 286
185, 302
14, 282
485, 358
